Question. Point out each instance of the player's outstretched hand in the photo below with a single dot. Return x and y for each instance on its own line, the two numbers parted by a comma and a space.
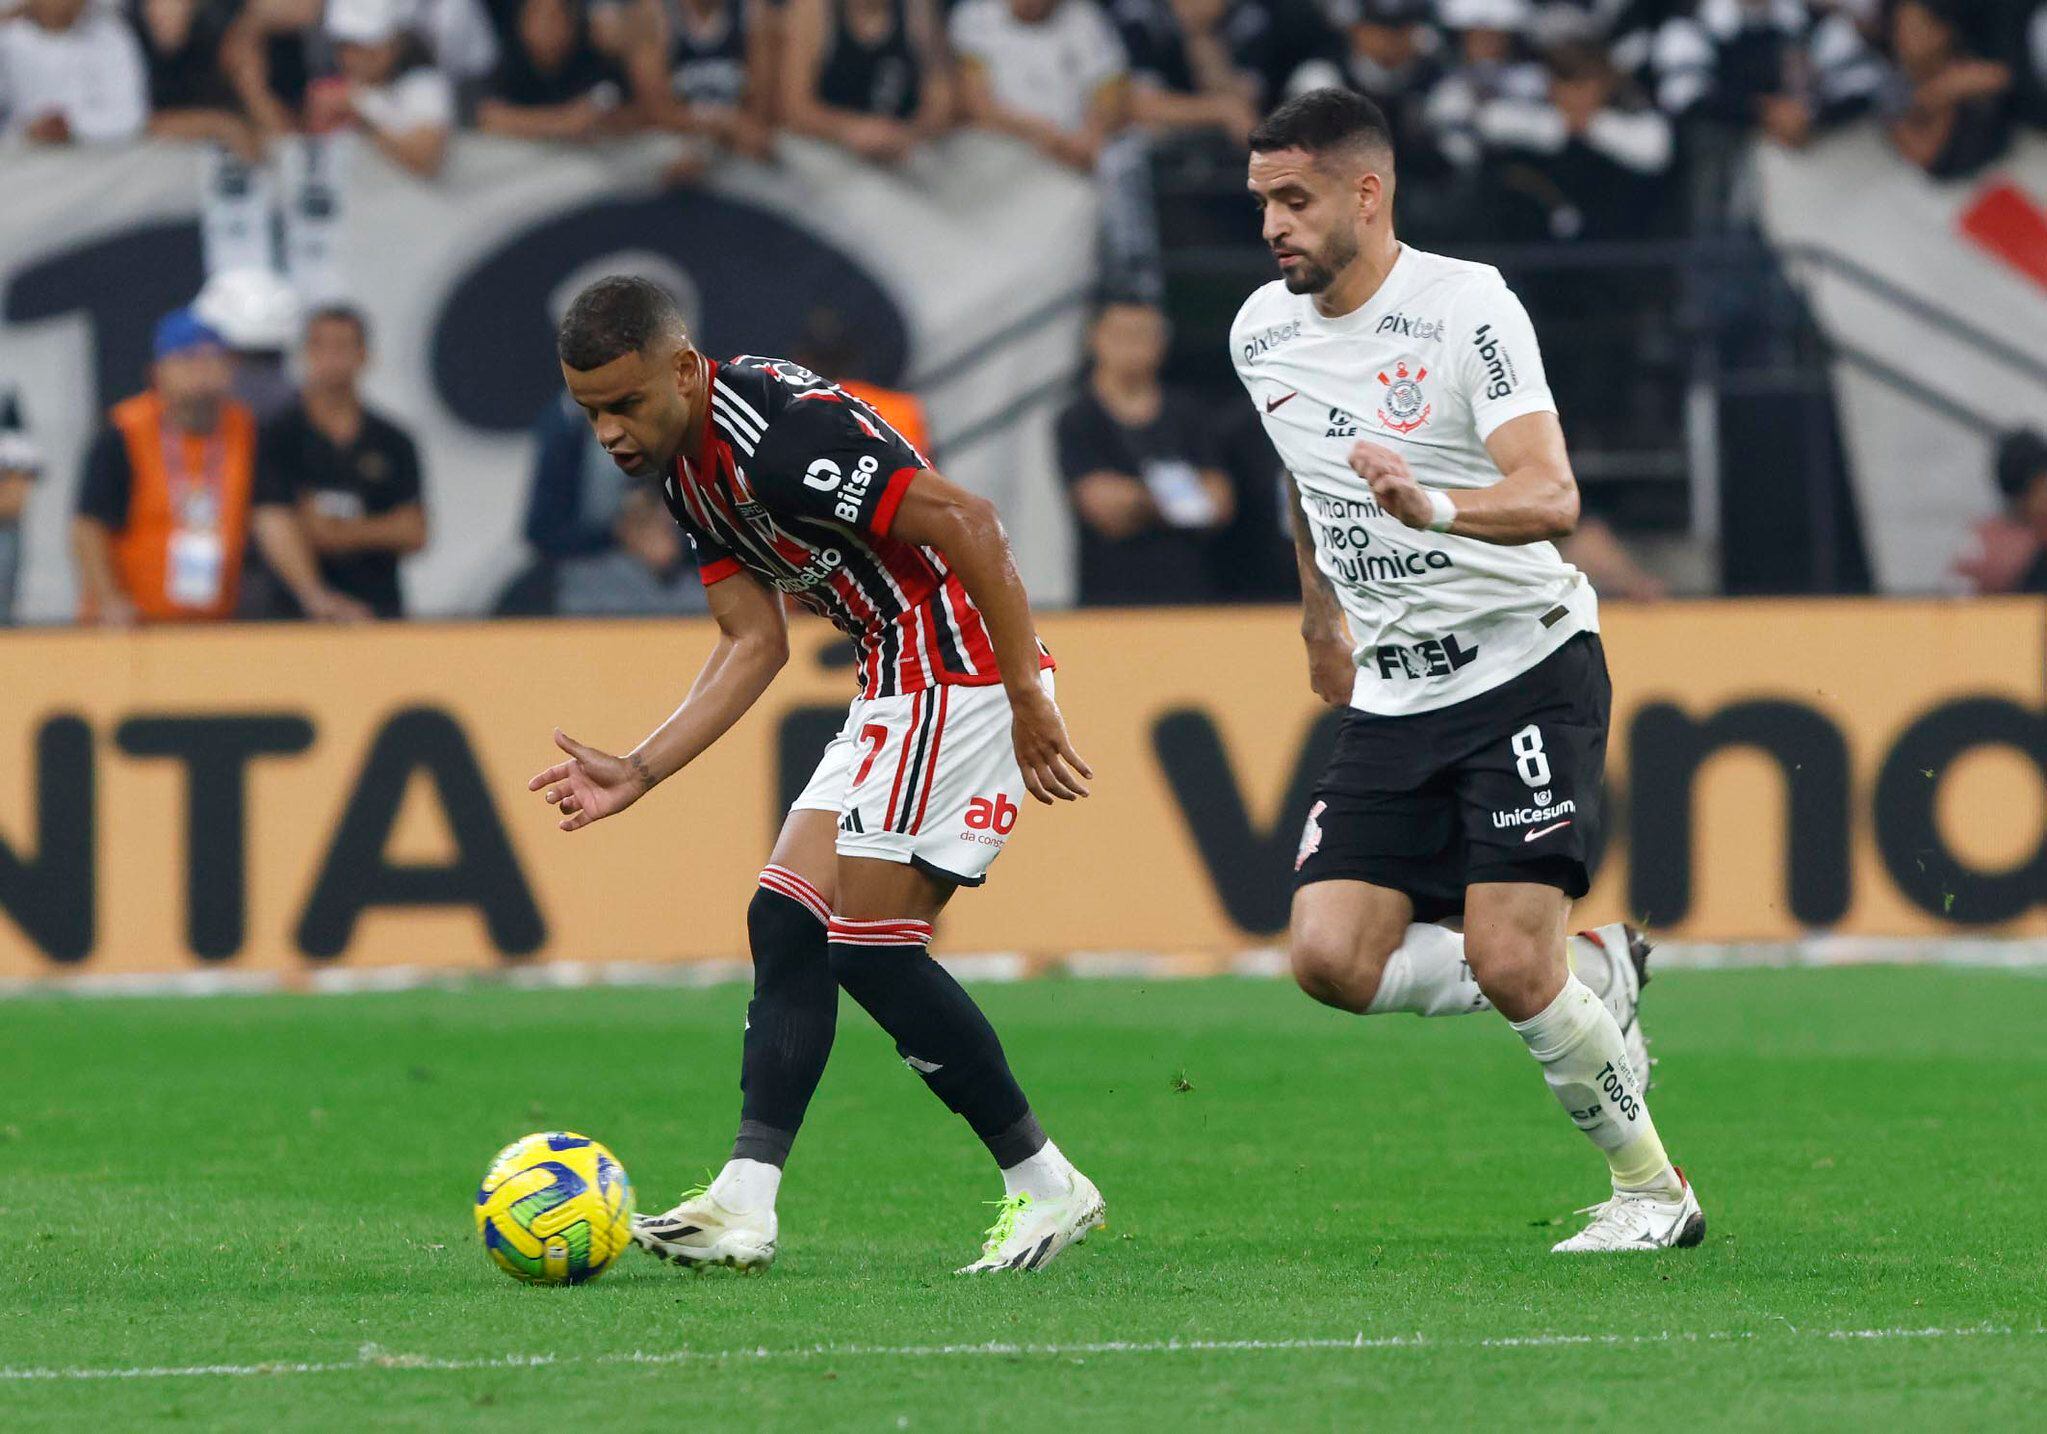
1391, 483
590, 785
1051, 768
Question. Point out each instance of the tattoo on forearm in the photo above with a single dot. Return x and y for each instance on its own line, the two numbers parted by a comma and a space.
640, 772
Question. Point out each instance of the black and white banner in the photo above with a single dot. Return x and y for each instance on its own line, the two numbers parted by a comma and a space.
962, 273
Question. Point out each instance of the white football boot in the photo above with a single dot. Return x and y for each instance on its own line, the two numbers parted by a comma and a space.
1639, 1220
1029, 1233
1623, 950
700, 1231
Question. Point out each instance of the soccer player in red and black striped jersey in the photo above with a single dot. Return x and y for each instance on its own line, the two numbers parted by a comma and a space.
787, 484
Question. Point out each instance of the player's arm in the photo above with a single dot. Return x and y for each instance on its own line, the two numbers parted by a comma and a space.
1332, 671
1535, 500
966, 528
753, 646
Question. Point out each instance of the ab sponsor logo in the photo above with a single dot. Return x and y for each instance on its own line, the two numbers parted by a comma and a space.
990, 820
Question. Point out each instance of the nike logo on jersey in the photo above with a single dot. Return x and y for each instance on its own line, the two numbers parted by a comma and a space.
1273, 403
1545, 831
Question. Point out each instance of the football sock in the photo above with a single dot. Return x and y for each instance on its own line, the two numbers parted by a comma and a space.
1427, 974
792, 1018
1585, 1061
747, 1186
939, 1032
1046, 1175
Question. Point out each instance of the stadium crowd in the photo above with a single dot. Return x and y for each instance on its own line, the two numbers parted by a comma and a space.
1538, 120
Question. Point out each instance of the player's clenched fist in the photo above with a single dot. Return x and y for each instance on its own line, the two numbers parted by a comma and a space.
1387, 474
1051, 768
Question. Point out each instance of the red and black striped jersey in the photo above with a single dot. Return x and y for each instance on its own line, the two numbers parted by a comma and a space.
798, 482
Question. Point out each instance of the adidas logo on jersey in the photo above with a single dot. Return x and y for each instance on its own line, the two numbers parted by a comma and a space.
850, 822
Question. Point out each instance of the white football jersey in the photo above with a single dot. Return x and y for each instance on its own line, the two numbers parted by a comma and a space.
1441, 356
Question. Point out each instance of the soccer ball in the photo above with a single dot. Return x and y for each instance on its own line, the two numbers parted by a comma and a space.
555, 1209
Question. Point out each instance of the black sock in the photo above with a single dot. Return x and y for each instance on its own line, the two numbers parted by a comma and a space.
792, 1018
939, 1032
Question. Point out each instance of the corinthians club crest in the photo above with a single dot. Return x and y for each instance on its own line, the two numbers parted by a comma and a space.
1404, 407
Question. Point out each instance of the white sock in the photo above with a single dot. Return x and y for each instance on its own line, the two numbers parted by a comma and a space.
1426, 974
1585, 1060
747, 1186
1048, 1175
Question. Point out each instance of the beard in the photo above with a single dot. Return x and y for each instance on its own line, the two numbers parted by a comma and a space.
1318, 271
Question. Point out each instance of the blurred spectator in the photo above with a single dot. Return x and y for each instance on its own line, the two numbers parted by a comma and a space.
1053, 74
190, 94
1182, 72
167, 501
256, 314
868, 74
1487, 63
351, 473
706, 68
1956, 111
604, 543
1148, 489
1270, 40
1583, 159
828, 348
69, 72
268, 54
551, 82
1049, 72
1744, 65
288, 173
385, 88
1394, 55
461, 39
2008, 553
20, 465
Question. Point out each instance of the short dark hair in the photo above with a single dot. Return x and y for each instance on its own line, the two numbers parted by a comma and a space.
342, 314
1322, 120
619, 314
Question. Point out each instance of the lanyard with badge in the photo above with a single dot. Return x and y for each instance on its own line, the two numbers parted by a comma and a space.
198, 549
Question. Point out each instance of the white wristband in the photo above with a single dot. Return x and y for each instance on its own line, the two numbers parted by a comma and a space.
1442, 512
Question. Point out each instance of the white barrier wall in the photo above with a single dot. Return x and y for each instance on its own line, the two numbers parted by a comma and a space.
456, 275
1972, 251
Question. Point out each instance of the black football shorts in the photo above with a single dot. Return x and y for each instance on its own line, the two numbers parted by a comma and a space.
1504, 786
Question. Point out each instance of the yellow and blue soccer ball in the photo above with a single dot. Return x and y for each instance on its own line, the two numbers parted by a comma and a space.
555, 1209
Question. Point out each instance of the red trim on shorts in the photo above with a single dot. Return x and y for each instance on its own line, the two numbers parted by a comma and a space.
719, 569
931, 770
909, 735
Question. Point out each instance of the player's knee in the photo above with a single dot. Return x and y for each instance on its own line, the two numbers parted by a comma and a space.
784, 930
1517, 972
1335, 962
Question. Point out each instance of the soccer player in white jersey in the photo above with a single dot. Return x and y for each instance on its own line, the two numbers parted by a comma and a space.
1405, 394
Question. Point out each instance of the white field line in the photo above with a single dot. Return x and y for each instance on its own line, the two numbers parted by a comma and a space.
2016, 954
374, 1357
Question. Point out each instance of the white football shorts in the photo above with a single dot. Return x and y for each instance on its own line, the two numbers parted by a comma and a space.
928, 780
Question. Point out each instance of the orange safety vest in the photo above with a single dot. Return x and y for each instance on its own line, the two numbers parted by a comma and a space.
901, 411
141, 550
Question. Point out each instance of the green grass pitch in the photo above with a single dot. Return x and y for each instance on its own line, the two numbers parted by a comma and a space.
285, 1182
